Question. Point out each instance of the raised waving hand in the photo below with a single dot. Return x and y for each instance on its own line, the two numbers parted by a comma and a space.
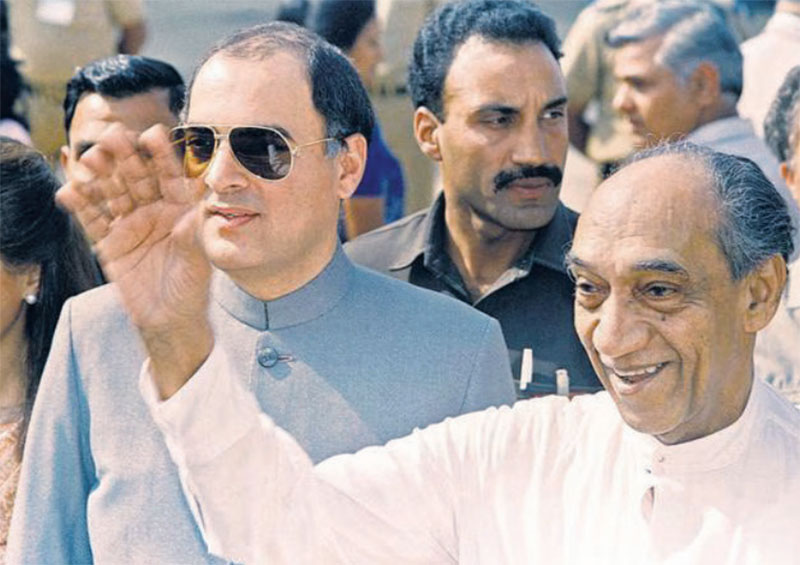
134, 203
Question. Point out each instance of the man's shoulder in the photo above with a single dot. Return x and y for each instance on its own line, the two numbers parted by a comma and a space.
96, 310
384, 247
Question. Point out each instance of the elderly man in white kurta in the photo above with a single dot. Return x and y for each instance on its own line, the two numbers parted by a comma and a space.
679, 260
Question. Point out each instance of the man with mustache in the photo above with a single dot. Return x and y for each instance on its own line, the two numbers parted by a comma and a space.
490, 104
274, 136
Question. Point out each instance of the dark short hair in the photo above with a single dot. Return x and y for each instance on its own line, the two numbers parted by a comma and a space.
293, 11
122, 76
780, 129
336, 91
753, 222
340, 21
505, 21
34, 231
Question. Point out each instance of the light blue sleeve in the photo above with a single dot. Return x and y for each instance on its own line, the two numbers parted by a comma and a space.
491, 383
49, 522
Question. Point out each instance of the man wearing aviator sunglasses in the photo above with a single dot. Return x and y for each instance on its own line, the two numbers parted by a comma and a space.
263, 151
243, 226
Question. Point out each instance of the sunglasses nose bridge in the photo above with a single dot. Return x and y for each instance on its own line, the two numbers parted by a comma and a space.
224, 172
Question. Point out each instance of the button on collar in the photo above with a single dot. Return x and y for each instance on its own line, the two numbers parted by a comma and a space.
267, 357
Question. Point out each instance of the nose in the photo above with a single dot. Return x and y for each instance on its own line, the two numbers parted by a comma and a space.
224, 174
622, 102
619, 329
532, 147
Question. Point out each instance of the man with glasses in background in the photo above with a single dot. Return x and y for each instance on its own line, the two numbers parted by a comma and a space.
277, 126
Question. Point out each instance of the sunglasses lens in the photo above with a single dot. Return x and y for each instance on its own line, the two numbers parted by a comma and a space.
195, 146
261, 151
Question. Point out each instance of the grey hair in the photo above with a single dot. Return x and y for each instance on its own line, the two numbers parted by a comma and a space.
753, 222
693, 31
782, 124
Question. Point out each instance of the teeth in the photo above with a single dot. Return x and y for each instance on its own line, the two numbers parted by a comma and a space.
652, 370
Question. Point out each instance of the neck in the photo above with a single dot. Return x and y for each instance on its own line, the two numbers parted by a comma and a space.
724, 109
482, 250
13, 355
729, 406
270, 282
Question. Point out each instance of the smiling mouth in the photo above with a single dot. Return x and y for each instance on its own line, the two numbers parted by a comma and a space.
637, 376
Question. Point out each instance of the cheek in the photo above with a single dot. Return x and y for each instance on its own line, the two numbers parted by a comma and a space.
584, 327
10, 299
556, 143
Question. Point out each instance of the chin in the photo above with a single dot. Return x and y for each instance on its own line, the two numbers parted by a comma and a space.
225, 256
527, 220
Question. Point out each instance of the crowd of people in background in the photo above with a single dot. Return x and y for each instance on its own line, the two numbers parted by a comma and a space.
215, 307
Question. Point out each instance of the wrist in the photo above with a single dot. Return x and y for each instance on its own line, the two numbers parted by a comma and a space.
176, 354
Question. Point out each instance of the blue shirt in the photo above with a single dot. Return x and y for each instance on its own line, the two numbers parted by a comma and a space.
350, 359
383, 178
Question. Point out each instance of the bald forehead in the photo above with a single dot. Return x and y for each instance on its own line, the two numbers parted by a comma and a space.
255, 71
668, 193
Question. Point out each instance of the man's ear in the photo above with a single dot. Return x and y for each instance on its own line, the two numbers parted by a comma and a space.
704, 84
63, 157
426, 130
764, 287
351, 160
787, 173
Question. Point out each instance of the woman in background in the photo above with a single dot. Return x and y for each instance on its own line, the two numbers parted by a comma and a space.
353, 28
44, 260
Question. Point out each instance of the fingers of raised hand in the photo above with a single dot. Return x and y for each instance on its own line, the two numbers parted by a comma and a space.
123, 240
93, 218
164, 163
122, 172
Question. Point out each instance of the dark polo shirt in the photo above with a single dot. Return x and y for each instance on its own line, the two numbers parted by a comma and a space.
533, 300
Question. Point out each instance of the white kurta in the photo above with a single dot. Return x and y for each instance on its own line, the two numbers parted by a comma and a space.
548, 481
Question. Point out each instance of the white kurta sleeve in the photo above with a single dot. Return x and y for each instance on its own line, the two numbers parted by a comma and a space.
257, 497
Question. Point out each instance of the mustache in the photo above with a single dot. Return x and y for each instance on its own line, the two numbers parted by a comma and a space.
550, 172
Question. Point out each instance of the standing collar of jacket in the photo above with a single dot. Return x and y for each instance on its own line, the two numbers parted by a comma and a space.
310, 301
547, 249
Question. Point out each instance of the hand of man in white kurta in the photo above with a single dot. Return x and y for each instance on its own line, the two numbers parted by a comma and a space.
135, 203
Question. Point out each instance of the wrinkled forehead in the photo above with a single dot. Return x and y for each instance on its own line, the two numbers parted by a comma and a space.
662, 203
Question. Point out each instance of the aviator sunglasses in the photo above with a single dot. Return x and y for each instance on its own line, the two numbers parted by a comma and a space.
263, 151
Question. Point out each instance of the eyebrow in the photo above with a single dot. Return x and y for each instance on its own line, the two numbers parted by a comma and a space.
508, 110
276, 127
571, 260
555, 103
659, 265
82, 147
499, 108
